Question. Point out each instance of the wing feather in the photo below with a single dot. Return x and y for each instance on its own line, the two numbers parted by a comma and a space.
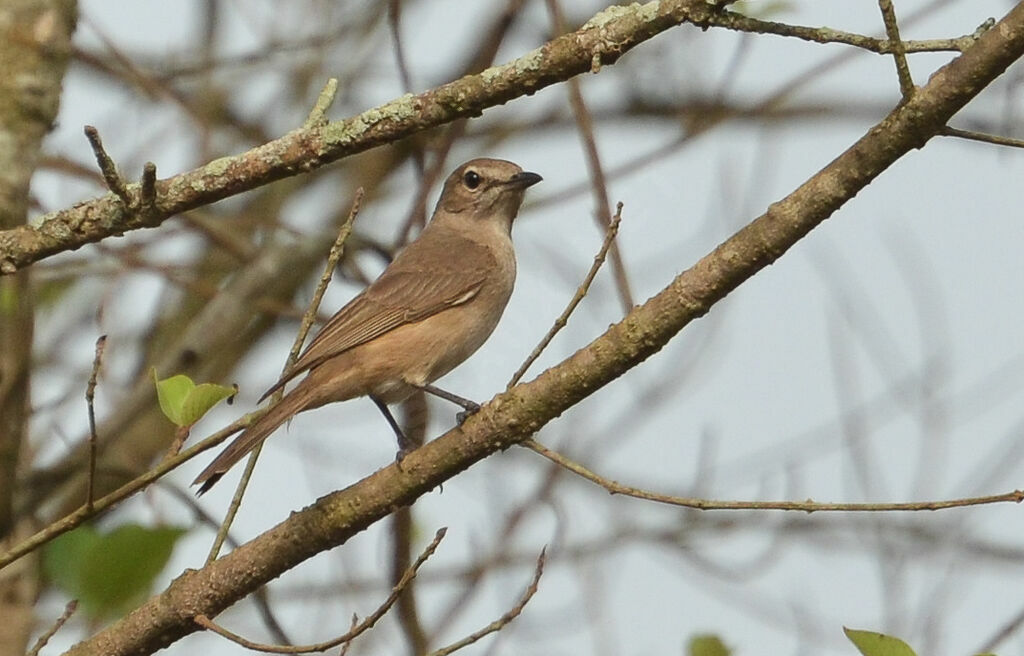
423, 280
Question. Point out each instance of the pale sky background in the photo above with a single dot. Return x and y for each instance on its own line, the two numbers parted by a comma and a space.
917, 280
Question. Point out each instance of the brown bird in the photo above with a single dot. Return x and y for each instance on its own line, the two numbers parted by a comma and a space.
431, 308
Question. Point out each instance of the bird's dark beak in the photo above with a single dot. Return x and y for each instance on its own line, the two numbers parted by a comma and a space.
524, 179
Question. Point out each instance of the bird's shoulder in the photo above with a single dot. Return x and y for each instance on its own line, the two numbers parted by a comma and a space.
428, 276
439, 267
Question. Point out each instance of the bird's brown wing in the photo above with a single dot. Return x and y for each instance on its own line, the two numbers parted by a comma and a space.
406, 292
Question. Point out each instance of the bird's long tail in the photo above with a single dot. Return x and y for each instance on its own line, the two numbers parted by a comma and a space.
252, 437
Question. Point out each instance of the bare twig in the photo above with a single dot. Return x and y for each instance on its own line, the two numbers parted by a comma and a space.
515, 520
563, 319
357, 629
417, 213
614, 487
737, 22
107, 166
415, 416
307, 321
332, 262
983, 137
181, 434
324, 101
147, 194
69, 610
483, 58
352, 626
899, 52
598, 180
1004, 632
501, 622
90, 393
394, 24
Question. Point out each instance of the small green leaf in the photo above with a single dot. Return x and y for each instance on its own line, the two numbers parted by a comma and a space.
707, 645
870, 643
109, 573
184, 402
201, 399
171, 393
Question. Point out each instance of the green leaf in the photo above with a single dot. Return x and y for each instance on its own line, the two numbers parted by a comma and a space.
49, 293
707, 645
8, 298
184, 402
202, 398
870, 643
63, 556
109, 573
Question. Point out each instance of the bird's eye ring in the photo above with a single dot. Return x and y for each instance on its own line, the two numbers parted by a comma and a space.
472, 179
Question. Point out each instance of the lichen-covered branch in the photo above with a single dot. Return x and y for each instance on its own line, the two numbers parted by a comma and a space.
601, 41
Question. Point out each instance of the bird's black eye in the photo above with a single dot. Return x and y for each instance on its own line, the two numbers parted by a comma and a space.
472, 179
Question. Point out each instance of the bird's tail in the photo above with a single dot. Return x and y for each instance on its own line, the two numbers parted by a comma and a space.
251, 437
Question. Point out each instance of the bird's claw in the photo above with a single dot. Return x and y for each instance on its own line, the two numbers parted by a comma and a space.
461, 417
401, 454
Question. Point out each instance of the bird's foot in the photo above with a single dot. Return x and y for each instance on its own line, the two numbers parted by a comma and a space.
471, 409
400, 456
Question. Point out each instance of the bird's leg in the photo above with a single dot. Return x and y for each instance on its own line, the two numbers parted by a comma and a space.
468, 407
405, 445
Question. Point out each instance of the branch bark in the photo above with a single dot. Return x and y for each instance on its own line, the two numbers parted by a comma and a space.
520, 412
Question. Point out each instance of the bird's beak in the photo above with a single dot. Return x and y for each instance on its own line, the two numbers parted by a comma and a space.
524, 179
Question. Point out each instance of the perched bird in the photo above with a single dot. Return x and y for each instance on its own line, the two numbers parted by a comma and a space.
432, 307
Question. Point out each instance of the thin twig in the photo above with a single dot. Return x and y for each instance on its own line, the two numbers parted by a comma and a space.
613, 487
357, 630
563, 319
307, 321
332, 263
502, 621
352, 626
598, 180
418, 146
1004, 632
406, 611
147, 195
83, 514
899, 51
394, 24
90, 394
982, 137
69, 610
107, 166
480, 60
733, 21
181, 434
322, 104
